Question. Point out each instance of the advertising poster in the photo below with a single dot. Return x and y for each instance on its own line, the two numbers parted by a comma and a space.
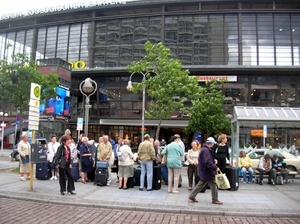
57, 105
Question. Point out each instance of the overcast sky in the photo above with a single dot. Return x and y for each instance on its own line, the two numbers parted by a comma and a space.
14, 6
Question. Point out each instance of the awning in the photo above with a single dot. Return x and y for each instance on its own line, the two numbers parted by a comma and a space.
131, 122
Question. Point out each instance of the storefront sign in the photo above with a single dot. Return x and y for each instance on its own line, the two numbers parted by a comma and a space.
218, 78
77, 64
59, 8
257, 132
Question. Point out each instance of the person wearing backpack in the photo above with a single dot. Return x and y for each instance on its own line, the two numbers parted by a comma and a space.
125, 161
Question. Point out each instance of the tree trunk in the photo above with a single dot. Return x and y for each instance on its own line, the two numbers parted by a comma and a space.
158, 130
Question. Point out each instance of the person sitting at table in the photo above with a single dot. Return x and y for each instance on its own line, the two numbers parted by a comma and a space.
278, 165
245, 164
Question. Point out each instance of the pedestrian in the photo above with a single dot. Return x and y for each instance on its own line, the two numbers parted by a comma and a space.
116, 149
51, 152
146, 154
222, 152
126, 166
207, 169
104, 154
24, 150
182, 157
63, 155
192, 161
174, 154
86, 156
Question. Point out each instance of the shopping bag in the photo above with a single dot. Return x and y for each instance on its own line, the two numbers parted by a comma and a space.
222, 181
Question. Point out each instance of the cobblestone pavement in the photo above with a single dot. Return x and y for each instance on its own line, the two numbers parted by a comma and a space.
19, 211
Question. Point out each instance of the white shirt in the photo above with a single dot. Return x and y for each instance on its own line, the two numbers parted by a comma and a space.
52, 149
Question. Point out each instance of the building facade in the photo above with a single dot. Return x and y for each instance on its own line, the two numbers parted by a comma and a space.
254, 44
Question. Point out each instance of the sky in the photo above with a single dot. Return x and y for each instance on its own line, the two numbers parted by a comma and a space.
14, 6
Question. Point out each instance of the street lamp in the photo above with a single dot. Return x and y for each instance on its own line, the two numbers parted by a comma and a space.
129, 88
2, 128
87, 89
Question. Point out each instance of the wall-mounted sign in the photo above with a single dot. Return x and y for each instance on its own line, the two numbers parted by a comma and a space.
58, 8
257, 132
77, 64
218, 78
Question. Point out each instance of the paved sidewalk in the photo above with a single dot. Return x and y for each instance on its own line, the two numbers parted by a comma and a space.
250, 200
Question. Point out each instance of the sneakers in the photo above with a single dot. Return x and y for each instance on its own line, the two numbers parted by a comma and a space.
52, 178
217, 202
55, 178
23, 179
244, 182
175, 192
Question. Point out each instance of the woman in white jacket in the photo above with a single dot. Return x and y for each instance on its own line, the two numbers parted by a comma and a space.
125, 157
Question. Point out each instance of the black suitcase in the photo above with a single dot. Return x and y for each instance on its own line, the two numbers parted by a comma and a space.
232, 175
137, 176
42, 171
91, 175
130, 183
156, 183
101, 175
75, 171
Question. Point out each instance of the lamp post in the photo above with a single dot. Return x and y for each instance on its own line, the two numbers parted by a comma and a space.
129, 88
2, 128
87, 89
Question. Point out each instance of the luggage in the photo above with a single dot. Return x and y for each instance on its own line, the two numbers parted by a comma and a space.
91, 175
42, 171
75, 171
279, 180
137, 176
156, 181
101, 175
100, 164
232, 175
130, 183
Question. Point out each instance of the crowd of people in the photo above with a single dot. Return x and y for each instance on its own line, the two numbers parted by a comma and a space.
202, 162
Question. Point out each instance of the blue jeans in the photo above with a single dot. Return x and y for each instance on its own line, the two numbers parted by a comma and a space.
146, 168
250, 171
164, 173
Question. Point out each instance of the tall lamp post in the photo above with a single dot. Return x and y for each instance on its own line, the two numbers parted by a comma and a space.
129, 88
2, 128
87, 89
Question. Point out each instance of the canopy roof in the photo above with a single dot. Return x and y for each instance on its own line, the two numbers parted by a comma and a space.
280, 116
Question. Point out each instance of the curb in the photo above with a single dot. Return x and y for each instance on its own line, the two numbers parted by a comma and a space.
157, 209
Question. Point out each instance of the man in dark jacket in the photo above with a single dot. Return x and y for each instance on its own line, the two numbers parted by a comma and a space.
207, 169
278, 165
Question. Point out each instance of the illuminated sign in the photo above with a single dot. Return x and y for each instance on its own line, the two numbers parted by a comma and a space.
257, 132
77, 64
59, 8
218, 78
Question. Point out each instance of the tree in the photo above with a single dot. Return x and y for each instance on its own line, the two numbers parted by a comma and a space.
16, 76
207, 114
167, 84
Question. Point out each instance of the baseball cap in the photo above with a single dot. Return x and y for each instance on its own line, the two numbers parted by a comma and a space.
210, 140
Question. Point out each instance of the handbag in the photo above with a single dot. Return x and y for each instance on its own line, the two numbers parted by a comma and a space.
25, 160
57, 160
222, 180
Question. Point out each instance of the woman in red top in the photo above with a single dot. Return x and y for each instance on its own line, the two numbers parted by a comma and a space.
63, 155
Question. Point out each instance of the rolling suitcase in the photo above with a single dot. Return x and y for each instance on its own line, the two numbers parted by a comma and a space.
130, 183
232, 175
101, 175
137, 176
42, 171
75, 171
156, 183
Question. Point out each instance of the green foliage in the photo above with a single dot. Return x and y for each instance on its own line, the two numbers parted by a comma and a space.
207, 115
165, 79
17, 74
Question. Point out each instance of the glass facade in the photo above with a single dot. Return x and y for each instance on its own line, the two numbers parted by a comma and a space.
198, 36
198, 39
